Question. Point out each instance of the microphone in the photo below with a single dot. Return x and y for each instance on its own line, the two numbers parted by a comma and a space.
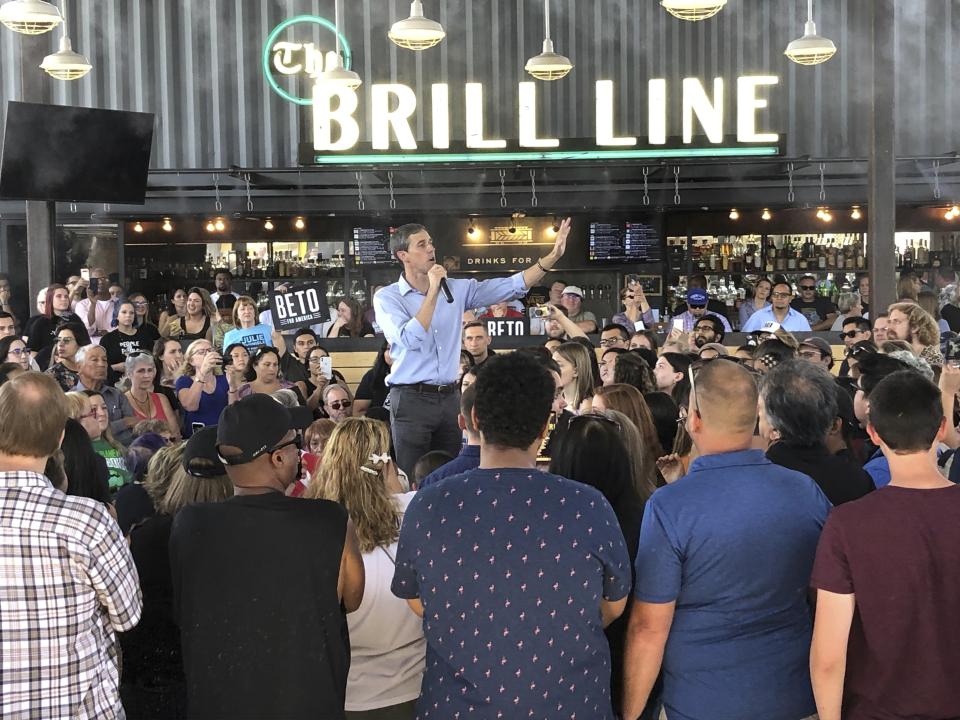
446, 290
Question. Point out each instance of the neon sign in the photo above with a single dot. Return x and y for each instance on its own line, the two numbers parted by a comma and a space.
293, 58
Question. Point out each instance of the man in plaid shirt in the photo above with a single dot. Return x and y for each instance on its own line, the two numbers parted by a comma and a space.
67, 581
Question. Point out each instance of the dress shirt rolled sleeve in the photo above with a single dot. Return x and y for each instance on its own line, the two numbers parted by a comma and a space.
432, 354
399, 324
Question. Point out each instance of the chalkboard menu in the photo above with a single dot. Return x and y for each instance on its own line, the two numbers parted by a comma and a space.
371, 246
629, 242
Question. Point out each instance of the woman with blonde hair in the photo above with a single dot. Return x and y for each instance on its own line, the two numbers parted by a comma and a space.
387, 647
576, 376
202, 389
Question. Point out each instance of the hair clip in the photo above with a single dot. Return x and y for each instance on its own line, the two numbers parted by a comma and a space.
385, 458
370, 471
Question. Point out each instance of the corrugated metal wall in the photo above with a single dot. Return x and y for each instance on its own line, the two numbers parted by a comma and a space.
197, 66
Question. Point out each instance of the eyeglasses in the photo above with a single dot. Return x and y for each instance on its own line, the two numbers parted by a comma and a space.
297, 440
693, 390
808, 287
695, 307
140, 303
609, 342
781, 295
316, 359
340, 404
849, 334
19, 351
810, 355
92, 413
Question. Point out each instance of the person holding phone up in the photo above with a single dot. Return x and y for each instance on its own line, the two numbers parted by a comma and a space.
202, 388
637, 313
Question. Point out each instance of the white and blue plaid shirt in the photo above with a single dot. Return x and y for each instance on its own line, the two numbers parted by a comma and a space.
67, 585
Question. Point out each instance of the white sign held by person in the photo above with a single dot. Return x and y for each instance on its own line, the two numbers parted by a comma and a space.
300, 305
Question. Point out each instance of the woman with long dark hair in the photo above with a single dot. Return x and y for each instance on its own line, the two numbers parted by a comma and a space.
70, 338
372, 390
263, 375
592, 451
170, 317
350, 322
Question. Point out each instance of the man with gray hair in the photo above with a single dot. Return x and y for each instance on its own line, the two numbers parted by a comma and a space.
424, 337
798, 408
92, 363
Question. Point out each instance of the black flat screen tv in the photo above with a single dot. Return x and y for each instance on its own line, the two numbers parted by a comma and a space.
73, 154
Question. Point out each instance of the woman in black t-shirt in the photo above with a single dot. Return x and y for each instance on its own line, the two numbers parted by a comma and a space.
126, 339
372, 390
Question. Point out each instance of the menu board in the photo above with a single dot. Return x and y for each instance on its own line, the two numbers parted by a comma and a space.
371, 246
629, 242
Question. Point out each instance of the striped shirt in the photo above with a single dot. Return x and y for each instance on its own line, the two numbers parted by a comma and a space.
67, 585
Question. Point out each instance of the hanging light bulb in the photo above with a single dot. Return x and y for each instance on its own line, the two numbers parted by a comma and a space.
30, 17
219, 225
811, 49
338, 74
855, 214
416, 32
268, 225
299, 224
819, 213
734, 214
471, 231
826, 216
167, 225
548, 65
65, 64
955, 211
693, 9
765, 215
137, 227
210, 226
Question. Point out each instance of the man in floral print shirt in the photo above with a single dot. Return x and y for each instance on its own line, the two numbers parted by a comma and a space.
515, 571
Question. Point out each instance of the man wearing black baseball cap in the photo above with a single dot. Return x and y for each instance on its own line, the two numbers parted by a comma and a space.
259, 579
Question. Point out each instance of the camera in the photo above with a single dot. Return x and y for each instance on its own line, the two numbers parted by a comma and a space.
540, 311
952, 354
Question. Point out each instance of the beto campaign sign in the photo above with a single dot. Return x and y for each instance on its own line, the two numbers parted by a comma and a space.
300, 305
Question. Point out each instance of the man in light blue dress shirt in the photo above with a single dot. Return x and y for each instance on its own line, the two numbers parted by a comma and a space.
779, 311
424, 335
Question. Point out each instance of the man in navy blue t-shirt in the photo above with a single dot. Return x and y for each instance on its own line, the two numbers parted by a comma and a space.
515, 571
722, 569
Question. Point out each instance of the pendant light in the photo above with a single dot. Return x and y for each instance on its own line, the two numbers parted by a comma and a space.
416, 32
30, 17
693, 9
811, 49
548, 65
338, 74
65, 64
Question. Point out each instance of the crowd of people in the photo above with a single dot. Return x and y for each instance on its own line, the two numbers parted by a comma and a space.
203, 519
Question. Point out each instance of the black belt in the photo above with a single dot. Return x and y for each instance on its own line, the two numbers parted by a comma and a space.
427, 388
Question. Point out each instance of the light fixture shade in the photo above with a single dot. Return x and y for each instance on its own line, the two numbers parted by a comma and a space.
693, 9
548, 65
416, 32
65, 64
339, 75
30, 17
811, 49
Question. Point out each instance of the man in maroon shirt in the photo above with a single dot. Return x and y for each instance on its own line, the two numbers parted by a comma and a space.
886, 641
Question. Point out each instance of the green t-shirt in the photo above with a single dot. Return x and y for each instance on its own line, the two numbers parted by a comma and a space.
116, 465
